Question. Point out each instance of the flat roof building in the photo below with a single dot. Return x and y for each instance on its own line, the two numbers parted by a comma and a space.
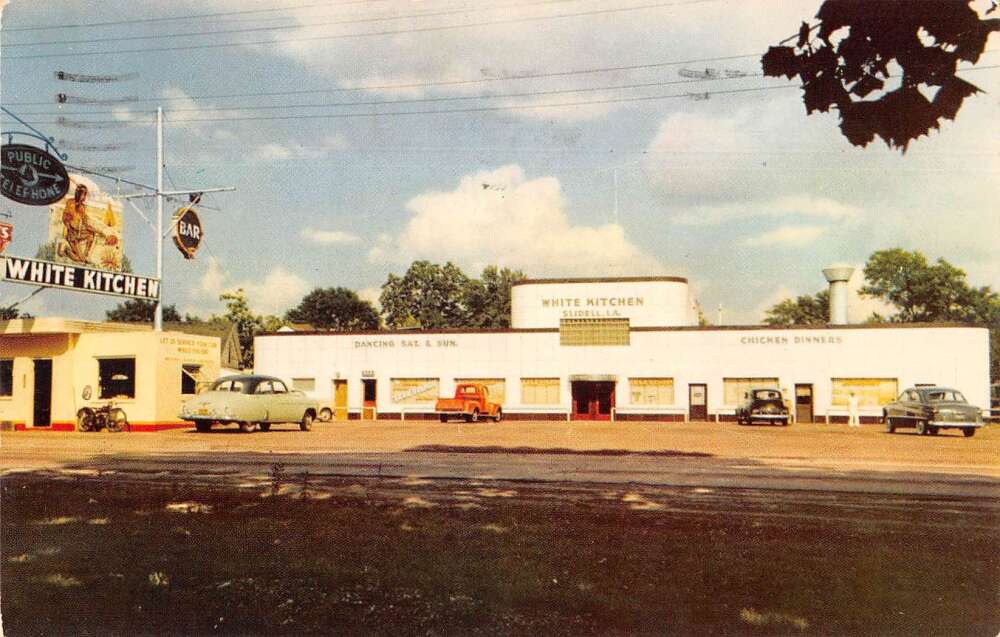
50, 368
625, 349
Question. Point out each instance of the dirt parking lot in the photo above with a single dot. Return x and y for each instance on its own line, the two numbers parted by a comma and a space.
826, 446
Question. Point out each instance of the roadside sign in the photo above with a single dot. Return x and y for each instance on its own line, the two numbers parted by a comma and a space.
31, 176
74, 277
6, 235
188, 232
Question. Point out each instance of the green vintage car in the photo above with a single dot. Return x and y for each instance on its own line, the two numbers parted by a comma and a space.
931, 409
251, 402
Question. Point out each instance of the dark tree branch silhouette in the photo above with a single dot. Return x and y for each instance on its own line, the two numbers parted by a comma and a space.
888, 67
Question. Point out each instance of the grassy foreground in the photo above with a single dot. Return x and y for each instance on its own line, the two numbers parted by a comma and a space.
96, 557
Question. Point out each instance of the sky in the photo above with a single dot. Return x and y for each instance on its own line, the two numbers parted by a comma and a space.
558, 137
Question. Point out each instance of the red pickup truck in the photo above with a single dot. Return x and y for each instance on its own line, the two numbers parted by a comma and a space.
471, 402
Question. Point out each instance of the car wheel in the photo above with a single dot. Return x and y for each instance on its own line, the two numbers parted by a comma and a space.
85, 420
307, 421
922, 427
933, 431
968, 432
265, 426
499, 416
475, 416
325, 415
117, 420
203, 426
890, 425
444, 418
247, 427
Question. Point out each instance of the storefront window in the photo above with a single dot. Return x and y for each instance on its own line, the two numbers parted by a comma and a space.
414, 391
117, 377
6, 377
540, 391
496, 387
871, 392
191, 379
734, 389
307, 385
652, 391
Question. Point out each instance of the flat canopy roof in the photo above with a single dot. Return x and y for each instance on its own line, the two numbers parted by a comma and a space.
47, 325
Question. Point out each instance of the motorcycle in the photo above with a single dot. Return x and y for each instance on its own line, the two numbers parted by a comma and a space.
105, 417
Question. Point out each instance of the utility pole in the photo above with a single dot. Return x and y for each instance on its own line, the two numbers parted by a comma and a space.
160, 195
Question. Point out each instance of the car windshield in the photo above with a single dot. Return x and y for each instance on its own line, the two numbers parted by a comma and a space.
947, 395
767, 394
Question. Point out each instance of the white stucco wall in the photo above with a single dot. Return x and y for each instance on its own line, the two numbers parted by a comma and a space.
952, 356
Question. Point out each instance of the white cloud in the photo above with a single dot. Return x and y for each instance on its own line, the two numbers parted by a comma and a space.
372, 296
805, 206
502, 217
270, 152
274, 294
328, 236
794, 236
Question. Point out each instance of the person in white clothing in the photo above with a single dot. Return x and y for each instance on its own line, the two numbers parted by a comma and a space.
852, 410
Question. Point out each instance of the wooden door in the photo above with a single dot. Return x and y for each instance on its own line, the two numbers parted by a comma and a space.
340, 399
698, 401
803, 403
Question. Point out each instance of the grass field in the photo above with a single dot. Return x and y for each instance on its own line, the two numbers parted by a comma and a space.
92, 556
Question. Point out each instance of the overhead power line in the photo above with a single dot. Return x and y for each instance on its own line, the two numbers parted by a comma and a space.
197, 16
478, 109
286, 27
340, 36
412, 85
421, 100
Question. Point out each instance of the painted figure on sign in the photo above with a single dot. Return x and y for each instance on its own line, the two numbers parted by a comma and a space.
79, 235
852, 410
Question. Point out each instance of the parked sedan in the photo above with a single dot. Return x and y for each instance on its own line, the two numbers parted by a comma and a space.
931, 409
762, 405
251, 402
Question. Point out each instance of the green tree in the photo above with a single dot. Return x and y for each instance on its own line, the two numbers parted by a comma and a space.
140, 311
335, 309
487, 299
428, 296
11, 312
804, 310
928, 293
855, 50
247, 323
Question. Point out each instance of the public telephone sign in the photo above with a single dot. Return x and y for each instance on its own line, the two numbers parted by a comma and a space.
188, 232
32, 176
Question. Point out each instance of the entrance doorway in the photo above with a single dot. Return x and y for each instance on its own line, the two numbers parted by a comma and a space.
340, 400
698, 402
43, 393
592, 400
368, 400
803, 403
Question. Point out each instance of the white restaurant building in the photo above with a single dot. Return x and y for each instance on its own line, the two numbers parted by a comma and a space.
628, 348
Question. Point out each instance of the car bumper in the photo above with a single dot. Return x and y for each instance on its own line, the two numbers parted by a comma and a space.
952, 424
769, 416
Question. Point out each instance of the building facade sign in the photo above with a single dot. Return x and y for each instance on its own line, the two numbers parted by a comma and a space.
70, 277
188, 231
32, 176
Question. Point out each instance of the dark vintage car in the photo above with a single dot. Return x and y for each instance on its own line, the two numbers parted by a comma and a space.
931, 409
252, 402
762, 405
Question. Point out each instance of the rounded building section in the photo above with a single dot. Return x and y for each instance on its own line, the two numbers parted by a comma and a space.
643, 301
